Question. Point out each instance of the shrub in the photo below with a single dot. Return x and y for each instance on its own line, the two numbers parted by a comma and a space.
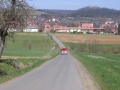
2, 73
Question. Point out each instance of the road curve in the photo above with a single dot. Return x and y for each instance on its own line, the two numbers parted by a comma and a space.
59, 73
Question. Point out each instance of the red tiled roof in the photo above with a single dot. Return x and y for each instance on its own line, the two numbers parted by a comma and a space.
87, 25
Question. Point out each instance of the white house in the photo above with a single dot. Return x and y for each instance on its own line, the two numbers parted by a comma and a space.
63, 31
31, 29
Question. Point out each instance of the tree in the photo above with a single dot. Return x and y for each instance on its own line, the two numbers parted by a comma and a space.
13, 15
119, 29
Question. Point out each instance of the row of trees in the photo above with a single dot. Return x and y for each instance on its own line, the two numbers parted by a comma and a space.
13, 14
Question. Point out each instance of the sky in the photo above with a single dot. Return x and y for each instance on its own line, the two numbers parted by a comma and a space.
73, 4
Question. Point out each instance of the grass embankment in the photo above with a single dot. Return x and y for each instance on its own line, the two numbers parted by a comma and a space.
27, 52
100, 54
104, 68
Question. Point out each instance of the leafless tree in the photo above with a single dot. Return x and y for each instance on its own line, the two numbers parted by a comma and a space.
13, 15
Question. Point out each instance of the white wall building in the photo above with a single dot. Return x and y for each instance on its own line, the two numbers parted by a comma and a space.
63, 31
31, 29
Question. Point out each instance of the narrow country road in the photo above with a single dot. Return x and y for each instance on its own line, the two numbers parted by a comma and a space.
59, 73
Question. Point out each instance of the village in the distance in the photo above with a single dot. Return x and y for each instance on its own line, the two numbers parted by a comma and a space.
74, 21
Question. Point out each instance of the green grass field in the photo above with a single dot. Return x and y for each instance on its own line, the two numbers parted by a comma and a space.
29, 44
28, 49
105, 68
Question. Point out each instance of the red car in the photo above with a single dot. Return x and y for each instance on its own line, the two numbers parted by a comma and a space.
64, 51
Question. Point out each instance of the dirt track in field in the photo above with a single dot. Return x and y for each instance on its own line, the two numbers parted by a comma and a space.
91, 38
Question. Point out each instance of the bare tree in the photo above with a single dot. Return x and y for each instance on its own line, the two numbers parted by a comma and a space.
13, 15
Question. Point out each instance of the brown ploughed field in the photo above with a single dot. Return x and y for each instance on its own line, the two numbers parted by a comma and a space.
91, 38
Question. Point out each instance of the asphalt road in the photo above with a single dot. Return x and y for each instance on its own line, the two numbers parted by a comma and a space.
59, 73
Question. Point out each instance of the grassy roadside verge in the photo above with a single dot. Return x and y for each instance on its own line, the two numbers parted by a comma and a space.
105, 68
12, 71
29, 51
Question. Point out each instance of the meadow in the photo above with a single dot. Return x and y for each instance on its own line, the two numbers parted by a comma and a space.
25, 52
29, 44
100, 54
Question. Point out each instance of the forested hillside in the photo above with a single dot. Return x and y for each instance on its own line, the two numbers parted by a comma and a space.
55, 11
89, 11
96, 12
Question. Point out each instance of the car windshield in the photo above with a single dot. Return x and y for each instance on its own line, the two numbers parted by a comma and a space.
64, 49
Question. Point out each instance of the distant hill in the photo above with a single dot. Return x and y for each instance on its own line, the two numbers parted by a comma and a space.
91, 11
38, 12
55, 11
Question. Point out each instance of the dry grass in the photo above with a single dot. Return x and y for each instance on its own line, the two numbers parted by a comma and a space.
94, 38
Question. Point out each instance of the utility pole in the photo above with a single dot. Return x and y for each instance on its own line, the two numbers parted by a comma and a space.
118, 29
